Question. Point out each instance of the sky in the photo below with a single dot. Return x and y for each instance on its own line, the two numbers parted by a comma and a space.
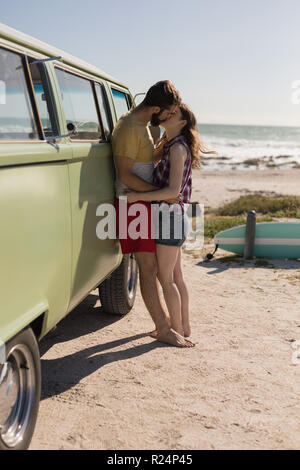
234, 61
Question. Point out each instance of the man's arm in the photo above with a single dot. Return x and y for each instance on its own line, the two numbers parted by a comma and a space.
126, 176
177, 158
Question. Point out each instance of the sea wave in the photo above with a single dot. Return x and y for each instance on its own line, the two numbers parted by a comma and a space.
254, 152
241, 148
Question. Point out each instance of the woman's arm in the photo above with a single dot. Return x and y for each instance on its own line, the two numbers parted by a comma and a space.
178, 155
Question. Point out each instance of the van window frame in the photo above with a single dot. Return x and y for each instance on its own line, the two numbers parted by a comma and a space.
93, 89
51, 100
107, 109
30, 86
34, 107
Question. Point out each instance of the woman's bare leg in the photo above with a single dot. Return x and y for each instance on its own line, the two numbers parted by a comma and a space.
149, 288
184, 295
166, 260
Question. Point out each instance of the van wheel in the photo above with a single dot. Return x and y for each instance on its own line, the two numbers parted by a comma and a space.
117, 293
20, 390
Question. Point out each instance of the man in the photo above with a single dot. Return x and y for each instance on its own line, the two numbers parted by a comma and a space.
134, 157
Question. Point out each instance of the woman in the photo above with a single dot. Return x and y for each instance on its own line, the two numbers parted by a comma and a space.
173, 174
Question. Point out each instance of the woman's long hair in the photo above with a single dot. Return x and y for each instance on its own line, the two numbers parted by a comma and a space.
192, 137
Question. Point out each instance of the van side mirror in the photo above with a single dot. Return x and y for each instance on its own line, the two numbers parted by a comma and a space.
134, 103
72, 128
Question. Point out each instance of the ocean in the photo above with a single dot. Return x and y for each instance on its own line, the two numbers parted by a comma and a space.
238, 147
250, 147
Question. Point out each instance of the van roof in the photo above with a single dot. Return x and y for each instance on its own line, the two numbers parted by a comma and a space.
11, 34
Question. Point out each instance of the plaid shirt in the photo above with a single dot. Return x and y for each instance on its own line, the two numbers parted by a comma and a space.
162, 170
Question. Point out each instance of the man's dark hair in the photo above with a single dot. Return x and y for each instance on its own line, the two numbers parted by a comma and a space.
162, 94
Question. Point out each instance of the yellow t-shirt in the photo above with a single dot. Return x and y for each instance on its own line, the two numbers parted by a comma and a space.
132, 138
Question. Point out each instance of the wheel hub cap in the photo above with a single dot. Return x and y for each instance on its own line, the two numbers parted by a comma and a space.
8, 392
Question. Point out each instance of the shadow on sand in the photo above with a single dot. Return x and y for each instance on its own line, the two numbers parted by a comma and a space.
218, 265
61, 374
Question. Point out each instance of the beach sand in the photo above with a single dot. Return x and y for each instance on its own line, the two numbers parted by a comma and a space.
214, 188
107, 385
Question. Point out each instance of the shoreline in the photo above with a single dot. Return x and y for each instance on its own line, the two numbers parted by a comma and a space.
254, 163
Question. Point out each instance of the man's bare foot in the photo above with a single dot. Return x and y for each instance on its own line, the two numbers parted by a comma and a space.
187, 334
170, 336
153, 333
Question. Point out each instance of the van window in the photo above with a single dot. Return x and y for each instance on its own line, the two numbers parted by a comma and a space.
16, 116
121, 103
79, 105
103, 108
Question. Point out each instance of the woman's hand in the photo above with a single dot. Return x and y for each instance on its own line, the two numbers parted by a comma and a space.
176, 200
158, 151
132, 196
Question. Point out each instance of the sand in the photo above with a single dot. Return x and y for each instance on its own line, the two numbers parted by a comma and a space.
108, 385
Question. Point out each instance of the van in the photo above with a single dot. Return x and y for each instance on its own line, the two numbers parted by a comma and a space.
57, 114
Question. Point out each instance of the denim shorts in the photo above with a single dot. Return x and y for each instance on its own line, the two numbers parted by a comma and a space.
171, 228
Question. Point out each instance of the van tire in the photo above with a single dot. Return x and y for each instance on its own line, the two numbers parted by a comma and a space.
22, 366
117, 293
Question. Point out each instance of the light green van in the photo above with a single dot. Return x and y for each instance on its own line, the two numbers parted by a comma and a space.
56, 117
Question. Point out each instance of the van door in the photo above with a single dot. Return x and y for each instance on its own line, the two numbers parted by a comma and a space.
35, 214
91, 181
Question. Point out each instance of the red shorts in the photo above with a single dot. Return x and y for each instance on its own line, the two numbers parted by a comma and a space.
131, 243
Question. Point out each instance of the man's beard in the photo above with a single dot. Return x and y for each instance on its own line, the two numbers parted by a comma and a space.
155, 121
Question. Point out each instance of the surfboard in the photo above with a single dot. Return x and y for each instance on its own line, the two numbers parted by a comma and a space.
272, 240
